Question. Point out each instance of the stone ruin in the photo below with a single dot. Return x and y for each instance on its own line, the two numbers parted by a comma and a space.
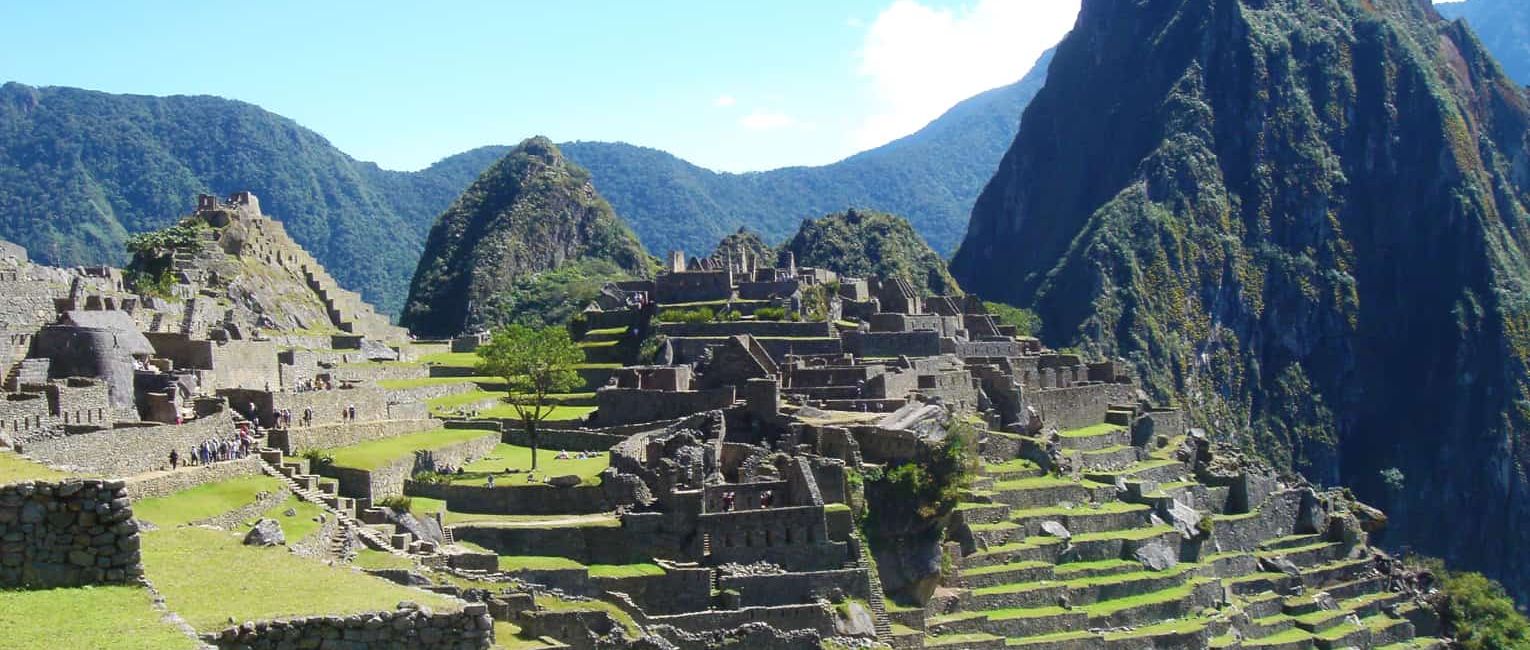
740, 455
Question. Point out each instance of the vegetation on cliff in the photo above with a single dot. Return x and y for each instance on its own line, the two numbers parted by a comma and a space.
1306, 222
532, 211
861, 243
1503, 26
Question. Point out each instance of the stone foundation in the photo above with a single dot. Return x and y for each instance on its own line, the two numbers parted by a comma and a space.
403, 628
67, 534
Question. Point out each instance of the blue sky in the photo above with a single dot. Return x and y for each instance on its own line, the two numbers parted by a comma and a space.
728, 85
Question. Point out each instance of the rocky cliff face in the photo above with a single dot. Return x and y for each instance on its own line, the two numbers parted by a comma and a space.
1503, 26
862, 243
531, 211
1306, 222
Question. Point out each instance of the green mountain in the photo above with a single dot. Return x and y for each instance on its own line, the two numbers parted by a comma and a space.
532, 211
1503, 26
931, 177
1307, 222
81, 170
861, 243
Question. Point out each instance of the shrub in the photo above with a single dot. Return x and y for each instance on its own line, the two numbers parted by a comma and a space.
698, 315
770, 313
317, 458
400, 503
1026, 322
1481, 614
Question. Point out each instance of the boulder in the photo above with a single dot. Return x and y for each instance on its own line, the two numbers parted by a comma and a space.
1185, 519
567, 480
267, 532
855, 620
1056, 530
1157, 556
377, 351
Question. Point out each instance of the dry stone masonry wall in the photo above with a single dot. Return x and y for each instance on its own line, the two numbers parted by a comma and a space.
67, 534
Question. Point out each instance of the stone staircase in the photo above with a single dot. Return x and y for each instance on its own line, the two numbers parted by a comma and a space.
309, 488
27, 371
1018, 586
878, 599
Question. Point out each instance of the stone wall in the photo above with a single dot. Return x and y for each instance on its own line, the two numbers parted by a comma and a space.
244, 364
126, 451
328, 405
524, 499
758, 329
67, 534
629, 406
159, 484
425, 393
583, 544
378, 371
402, 628
893, 344
24, 413
1079, 406
988, 349
796, 588
563, 439
389, 479
294, 440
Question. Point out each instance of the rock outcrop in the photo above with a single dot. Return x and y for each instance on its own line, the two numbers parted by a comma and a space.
531, 211
1307, 222
861, 243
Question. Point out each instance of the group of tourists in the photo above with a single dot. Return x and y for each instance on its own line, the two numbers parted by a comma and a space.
215, 450
348, 413
315, 384
729, 498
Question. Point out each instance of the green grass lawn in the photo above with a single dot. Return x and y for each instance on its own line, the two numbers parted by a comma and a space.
376, 453
204, 501
453, 359
447, 404
1090, 431
207, 576
370, 559
14, 469
421, 382
298, 526
536, 563
519, 458
625, 570
87, 618
560, 413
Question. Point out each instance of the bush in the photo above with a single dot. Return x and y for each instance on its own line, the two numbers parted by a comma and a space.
399, 503
770, 313
693, 316
1026, 322
317, 458
1481, 614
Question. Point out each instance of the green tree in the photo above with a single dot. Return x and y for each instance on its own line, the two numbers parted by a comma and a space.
1482, 614
1026, 322
535, 364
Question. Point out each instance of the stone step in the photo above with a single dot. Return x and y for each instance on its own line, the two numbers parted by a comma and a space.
1046, 550
1336, 572
1003, 574
1290, 541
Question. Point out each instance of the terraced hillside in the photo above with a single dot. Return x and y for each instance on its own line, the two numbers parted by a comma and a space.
1149, 546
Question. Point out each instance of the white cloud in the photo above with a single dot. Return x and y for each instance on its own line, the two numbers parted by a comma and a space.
921, 60
724, 101
762, 120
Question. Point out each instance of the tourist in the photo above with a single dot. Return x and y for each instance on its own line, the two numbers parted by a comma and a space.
727, 502
491, 481
175, 459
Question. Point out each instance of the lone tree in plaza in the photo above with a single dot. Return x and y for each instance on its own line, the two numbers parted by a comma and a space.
535, 364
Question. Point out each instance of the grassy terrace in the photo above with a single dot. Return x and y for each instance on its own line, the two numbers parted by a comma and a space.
551, 563
1038, 482
487, 383
516, 457
1085, 582
119, 617
374, 454
205, 501
1091, 431
207, 576
15, 468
